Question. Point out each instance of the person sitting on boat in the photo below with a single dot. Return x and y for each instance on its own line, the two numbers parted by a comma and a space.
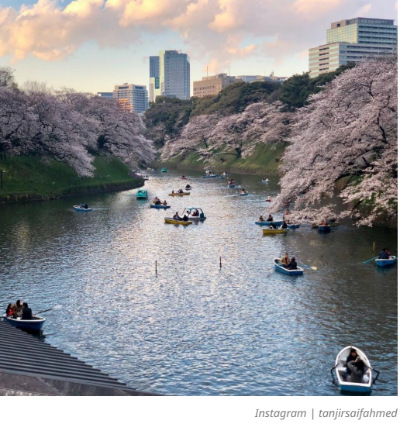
185, 217
293, 264
261, 219
157, 202
164, 203
180, 191
384, 255
351, 357
188, 186
324, 223
27, 312
195, 213
284, 225
243, 191
18, 309
176, 216
357, 369
9, 310
172, 192
270, 218
285, 260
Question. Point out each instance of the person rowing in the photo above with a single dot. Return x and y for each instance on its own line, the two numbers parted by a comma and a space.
176, 216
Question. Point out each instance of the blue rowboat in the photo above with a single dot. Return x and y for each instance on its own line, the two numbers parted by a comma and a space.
340, 369
36, 324
209, 176
279, 267
242, 194
82, 209
164, 169
386, 262
324, 228
142, 194
274, 223
293, 226
159, 206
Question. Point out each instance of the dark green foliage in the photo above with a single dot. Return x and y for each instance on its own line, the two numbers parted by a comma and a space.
297, 89
235, 98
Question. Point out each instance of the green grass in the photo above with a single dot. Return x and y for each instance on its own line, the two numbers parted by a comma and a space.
264, 160
27, 177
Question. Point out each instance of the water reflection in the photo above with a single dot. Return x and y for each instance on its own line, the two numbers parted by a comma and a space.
196, 328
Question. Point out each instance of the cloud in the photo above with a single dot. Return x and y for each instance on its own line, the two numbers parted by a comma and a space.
215, 31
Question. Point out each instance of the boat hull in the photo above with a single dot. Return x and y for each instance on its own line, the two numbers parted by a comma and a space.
386, 262
35, 325
81, 209
277, 223
278, 267
340, 367
177, 222
243, 195
179, 194
323, 228
274, 231
158, 206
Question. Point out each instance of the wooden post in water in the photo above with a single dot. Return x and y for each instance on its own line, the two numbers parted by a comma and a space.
373, 246
156, 267
220, 263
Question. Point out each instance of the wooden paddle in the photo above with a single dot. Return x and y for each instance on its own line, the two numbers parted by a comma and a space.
367, 261
57, 307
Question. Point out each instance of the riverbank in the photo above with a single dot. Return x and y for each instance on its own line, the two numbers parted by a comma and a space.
27, 178
264, 161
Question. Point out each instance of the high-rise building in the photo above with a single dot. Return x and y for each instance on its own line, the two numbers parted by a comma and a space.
132, 97
154, 85
212, 85
173, 75
104, 94
352, 40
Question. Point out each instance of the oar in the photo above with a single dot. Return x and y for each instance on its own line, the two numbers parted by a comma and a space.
309, 267
373, 258
57, 307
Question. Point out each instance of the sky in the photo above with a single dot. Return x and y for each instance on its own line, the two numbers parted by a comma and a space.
92, 45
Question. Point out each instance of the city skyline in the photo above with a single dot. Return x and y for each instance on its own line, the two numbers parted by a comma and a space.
92, 45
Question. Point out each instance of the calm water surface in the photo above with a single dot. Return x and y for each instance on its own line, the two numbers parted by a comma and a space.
194, 329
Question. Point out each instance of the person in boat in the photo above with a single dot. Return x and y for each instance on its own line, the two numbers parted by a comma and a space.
270, 218
261, 219
185, 217
243, 191
157, 202
18, 309
9, 310
180, 191
176, 216
188, 186
284, 225
384, 255
285, 260
195, 213
172, 192
324, 223
351, 357
26, 312
293, 264
164, 203
357, 368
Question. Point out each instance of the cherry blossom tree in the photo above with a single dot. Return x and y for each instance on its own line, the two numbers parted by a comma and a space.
69, 126
348, 130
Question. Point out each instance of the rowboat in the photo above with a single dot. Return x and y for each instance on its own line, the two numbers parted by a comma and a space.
231, 185
82, 209
270, 231
275, 223
176, 222
293, 225
179, 194
164, 169
211, 175
268, 199
188, 189
324, 228
242, 194
35, 324
265, 181
280, 268
159, 206
142, 194
190, 210
340, 369
386, 262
